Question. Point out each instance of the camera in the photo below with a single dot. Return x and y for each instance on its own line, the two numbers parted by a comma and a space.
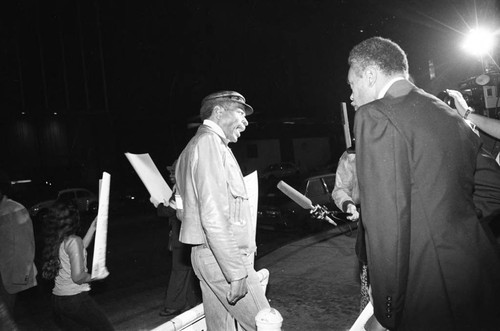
473, 99
446, 98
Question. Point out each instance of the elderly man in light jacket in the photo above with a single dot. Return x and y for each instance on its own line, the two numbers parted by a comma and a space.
216, 216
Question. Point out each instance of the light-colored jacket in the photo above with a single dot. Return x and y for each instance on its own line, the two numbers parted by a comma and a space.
17, 247
216, 208
346, 188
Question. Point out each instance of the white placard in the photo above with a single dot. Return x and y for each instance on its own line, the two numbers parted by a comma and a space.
252, 186
99, 269
150, 177
345, 125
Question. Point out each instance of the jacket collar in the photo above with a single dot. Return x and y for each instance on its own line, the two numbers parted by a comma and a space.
212, 126
399, 88
386, 87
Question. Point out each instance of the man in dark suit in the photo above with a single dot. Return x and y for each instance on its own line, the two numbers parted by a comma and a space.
431, 265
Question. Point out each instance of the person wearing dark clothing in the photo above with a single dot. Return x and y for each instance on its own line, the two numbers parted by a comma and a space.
487, 176
431, 264
183, 290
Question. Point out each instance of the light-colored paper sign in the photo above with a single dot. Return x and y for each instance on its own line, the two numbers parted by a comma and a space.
150, 177
99, 269
345, 125
252, 186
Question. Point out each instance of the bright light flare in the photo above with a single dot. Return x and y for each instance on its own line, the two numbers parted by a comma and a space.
479, 42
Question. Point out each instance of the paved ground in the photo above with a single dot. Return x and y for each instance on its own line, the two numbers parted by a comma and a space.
138, 262
314, 282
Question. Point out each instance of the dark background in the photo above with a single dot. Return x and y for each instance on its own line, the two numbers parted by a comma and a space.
84, 81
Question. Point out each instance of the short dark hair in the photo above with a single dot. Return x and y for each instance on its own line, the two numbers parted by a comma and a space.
381, 52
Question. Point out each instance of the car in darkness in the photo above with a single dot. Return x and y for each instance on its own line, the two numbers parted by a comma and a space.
84, 201
279, 170
276, 211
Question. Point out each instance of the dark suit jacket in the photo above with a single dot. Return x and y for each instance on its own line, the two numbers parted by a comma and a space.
431, 266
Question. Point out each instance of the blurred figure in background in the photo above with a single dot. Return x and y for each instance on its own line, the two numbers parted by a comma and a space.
183, 291
65, 261
487, 175
17, 248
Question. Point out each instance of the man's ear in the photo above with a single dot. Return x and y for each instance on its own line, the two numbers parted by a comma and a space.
218, 110
371, 73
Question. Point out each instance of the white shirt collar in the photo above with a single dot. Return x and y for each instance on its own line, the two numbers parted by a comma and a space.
214, 126
386, 87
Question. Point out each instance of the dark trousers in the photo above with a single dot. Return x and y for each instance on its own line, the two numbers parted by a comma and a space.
9, 299
183, 287
79, 312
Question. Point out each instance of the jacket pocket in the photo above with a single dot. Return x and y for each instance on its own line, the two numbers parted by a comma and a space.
236, 198
237, 193
235, 212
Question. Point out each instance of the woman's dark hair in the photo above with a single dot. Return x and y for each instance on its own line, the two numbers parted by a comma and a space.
61, 221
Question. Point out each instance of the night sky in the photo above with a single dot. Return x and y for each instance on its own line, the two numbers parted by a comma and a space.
138, 65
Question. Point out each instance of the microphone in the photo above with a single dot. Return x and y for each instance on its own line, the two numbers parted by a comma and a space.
295, 195
317, 211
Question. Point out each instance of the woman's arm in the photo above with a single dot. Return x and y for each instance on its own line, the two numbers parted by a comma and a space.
75, 249
489, 125
90, 233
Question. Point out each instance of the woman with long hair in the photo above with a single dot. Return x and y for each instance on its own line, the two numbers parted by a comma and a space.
65, 261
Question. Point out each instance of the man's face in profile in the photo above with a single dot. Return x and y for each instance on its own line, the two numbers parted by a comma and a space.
233, 122
359, 83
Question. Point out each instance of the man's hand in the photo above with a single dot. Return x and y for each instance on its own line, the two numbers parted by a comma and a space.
237, 291
155, 202
373, 325
353, 211
460, 102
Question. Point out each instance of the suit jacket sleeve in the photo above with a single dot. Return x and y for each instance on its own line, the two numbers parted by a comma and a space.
213, 198
385, 184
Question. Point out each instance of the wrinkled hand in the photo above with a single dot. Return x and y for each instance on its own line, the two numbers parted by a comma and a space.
353, 211
460, 102
237, 291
